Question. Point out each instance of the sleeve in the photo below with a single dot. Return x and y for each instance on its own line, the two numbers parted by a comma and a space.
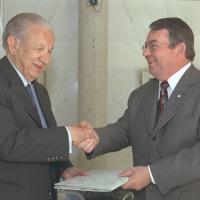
177, 170
59, 167
113, 137
21, 140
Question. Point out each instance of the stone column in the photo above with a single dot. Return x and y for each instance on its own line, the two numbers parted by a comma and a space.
92, 71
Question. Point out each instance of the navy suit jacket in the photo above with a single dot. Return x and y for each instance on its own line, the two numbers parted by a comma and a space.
31, 157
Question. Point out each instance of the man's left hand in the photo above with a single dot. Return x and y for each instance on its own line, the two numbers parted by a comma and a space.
139, 177
73, 171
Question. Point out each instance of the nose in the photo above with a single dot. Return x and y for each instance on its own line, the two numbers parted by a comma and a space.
146, 52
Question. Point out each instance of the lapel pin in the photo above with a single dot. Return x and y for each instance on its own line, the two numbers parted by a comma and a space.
179, 96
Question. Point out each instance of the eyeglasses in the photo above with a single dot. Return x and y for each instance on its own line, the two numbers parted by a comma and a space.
153, 46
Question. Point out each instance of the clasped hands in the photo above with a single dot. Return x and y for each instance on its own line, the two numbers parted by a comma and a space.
84, 136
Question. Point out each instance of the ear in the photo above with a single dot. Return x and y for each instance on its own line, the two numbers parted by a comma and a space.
181, 48
13, 44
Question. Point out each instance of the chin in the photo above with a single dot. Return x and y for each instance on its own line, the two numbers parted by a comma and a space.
35, 76
151, 72
37, 73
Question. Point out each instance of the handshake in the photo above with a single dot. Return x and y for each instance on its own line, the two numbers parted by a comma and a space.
84, 136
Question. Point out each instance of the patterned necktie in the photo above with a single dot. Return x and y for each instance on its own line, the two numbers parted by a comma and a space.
32, 94
163, 97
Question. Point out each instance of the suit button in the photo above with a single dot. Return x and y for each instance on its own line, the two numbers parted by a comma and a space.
154, 138
48, 159
49, 194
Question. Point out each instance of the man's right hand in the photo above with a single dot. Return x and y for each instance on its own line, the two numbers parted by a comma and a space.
84, 137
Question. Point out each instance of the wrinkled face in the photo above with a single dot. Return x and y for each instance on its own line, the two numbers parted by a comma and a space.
32, 55
160, 57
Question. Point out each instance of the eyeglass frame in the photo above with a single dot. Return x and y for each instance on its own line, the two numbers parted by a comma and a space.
153, 45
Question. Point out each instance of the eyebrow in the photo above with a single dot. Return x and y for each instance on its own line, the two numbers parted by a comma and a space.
151, 41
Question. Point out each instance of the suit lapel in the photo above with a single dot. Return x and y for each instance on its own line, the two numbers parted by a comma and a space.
180, 94
44, 105
150, 104
16, 85
22, 95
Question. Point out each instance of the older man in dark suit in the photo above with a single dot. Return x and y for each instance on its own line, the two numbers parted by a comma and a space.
34, 151
162, 121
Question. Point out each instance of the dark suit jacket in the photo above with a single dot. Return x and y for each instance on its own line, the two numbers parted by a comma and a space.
171, 147
31, 158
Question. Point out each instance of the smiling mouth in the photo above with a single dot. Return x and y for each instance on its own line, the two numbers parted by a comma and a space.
39, 67
150, 61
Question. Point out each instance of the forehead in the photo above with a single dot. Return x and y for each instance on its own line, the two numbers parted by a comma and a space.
158, 36
37, 33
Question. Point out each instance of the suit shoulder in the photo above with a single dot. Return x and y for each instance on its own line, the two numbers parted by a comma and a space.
142, 90
145, 87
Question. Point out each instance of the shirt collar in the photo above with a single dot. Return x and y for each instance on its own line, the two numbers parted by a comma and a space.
174, 79
25, 82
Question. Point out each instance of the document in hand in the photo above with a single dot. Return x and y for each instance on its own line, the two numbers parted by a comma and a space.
97, 180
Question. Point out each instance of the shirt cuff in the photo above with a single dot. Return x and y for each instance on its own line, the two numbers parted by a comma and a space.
69, 139
151, 176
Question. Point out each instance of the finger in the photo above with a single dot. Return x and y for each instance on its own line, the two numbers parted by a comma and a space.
67, 175
89, 149
79, 134
84, 143
95, 135
87, 145
127, 172
127, 185
83, 173
76, 172
85, 124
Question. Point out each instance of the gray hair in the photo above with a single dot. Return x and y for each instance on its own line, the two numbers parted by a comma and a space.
17, 26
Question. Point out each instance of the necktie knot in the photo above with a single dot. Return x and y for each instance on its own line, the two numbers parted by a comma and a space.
164, 85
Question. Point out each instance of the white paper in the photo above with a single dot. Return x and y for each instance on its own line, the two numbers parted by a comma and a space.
97, 180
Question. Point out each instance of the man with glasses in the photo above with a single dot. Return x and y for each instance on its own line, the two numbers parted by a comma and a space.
162, 121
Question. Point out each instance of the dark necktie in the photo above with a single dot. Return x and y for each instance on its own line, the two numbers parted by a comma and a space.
35, 102
163, 97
